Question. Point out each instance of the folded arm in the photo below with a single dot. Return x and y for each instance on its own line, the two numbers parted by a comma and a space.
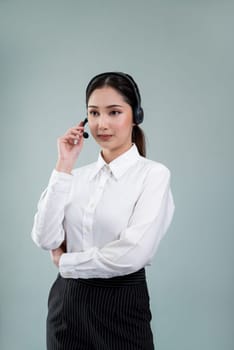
137, 244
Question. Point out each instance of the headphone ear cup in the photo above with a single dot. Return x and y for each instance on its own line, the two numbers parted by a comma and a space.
138, 115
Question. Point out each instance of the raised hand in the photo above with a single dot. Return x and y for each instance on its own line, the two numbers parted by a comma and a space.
69, 147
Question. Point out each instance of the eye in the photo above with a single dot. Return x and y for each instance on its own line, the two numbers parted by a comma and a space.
115, 113
93, 113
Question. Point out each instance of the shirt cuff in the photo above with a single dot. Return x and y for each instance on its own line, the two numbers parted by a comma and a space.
71, 264
60, 181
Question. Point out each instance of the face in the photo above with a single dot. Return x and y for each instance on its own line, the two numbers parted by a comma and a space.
110, 121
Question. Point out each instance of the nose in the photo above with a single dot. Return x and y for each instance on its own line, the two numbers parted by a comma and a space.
103, 122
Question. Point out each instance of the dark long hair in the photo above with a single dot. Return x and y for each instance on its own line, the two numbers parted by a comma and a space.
124, 87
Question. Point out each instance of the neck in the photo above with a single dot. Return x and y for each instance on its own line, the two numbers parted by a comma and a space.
109, 155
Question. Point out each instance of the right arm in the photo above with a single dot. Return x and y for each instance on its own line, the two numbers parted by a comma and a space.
47, 231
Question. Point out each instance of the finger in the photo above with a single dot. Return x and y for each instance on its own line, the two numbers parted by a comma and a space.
75, 128
74, 139
78, 140
79, 125
75, 133
69, 139
82, 122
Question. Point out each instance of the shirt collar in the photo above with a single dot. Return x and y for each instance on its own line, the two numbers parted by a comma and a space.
119, 165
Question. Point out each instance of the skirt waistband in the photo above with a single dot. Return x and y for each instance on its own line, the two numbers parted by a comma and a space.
134, 278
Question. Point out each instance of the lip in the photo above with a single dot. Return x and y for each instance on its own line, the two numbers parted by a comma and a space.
104, 137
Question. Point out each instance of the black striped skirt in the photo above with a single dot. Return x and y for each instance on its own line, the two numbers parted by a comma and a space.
100, 314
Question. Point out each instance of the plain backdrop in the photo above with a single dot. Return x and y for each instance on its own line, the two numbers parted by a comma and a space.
181, 54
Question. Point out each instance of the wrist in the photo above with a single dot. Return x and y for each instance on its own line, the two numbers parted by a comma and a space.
63, 167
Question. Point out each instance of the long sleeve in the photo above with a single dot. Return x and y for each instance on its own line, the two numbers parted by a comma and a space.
48, 231
137, 244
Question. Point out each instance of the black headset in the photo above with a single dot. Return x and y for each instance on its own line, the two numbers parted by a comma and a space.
138, 113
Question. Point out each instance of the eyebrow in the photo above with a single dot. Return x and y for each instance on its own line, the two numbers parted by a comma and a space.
111, 106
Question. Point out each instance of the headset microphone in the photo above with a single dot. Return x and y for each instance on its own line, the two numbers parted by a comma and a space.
85, 134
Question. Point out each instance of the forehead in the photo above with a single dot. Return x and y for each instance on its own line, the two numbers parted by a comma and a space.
106, 96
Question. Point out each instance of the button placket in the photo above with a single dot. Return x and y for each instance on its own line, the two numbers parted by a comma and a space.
89, 212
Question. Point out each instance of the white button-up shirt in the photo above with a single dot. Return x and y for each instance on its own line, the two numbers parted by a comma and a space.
112, 216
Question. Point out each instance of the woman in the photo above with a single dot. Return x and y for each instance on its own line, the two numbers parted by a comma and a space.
103, 223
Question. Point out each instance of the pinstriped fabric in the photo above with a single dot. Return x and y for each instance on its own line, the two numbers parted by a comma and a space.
99, 314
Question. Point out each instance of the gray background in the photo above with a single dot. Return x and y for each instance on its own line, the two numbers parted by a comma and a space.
181, 54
